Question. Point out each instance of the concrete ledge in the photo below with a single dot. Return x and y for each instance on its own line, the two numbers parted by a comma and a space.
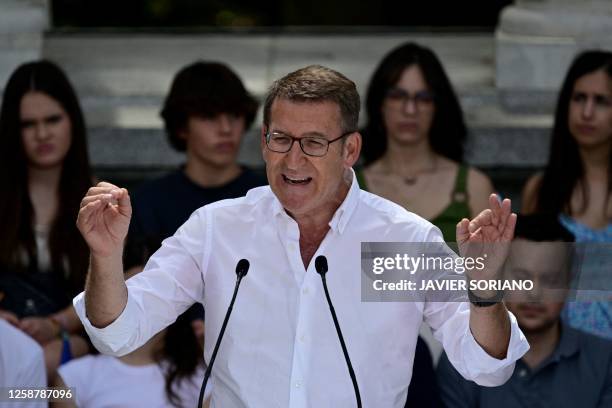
128, 65
536, 41
20, 16
142, 149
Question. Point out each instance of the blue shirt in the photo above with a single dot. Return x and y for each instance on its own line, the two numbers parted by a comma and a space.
577, 374
589, 315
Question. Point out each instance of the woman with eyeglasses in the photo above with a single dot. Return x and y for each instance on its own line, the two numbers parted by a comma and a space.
413, 141
576, 184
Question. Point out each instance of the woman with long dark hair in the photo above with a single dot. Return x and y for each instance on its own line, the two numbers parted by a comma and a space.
576, 184
413, 141
44, 171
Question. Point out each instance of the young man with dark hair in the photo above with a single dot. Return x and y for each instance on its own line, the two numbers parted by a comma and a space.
564, 367
206, 114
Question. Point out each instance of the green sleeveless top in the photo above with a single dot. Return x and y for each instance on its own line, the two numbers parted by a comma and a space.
456, 210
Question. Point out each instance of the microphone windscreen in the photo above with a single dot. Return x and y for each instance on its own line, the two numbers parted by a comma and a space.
242, 268
321, 264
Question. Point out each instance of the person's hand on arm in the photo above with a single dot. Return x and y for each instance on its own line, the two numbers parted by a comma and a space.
103, 221
67, 319
9, 317
41, 329
490, 233
45, 329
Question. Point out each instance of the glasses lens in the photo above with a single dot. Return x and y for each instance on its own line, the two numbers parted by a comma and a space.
397, 94
279, 142
314, 146
423, 97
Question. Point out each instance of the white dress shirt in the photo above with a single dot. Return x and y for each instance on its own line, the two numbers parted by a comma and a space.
280, 348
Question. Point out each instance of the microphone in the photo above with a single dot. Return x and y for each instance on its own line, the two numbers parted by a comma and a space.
241, 270
321, 268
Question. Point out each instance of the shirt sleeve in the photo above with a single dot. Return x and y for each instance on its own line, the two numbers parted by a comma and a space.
172, 280
450, 323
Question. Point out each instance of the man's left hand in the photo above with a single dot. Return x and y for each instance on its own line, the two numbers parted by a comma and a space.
487, 236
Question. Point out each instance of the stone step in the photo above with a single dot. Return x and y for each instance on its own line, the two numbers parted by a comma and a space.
143, 64
123, 77
140, 148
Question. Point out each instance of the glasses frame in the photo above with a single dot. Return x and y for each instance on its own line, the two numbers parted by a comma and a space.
422, 99
268, 137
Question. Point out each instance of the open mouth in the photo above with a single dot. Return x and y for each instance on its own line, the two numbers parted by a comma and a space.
296, 180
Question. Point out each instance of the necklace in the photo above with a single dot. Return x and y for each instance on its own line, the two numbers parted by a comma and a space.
414, 178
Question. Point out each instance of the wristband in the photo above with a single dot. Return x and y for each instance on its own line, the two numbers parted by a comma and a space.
485, 302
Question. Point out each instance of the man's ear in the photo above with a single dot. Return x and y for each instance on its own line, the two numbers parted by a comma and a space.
352, 149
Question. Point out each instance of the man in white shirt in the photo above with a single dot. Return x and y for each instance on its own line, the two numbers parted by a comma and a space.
280, 348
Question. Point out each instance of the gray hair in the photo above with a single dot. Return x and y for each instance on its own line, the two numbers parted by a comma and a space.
316, 83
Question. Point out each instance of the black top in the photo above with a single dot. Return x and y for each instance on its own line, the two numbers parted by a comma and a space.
161, 206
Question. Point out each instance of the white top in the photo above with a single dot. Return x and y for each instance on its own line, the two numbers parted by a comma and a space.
22, 363
281, 348
103, 381
41, 237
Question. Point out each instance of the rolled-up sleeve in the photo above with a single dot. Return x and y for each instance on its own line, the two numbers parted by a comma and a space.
172, 280
450, 323
451, 326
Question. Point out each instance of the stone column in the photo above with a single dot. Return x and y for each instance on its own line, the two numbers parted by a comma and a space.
537, 39
22, 23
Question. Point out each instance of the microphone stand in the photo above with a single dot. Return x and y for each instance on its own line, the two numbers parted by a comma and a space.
321, 268
241, 270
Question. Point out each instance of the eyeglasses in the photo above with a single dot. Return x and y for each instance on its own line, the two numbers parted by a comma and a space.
311, 146
399, 97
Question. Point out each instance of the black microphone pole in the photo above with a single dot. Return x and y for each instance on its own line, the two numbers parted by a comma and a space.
241, 270
321, 267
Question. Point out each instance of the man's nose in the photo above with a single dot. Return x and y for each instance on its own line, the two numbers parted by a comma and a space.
295, 155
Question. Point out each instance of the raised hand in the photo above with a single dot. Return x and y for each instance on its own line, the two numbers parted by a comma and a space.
490, 234
104, 218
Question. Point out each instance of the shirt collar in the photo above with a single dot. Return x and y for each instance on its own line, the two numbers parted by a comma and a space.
343, 213
568, 346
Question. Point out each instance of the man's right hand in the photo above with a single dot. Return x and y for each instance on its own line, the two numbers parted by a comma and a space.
104, 219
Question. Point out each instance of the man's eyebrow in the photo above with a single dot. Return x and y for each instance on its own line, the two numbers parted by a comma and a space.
307, 134
314, 134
